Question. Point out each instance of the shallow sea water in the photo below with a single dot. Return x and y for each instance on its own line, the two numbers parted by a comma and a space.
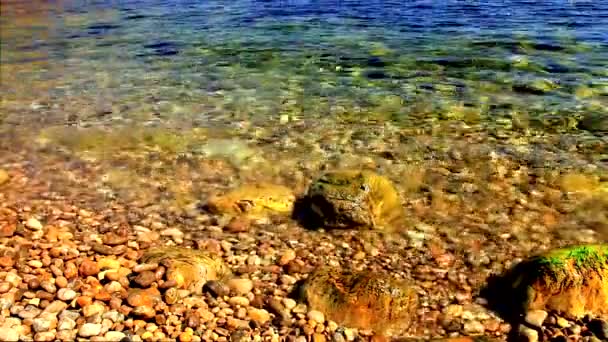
490, 117
293, 87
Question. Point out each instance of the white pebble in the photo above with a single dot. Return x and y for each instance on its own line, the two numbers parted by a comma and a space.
66, 294
536, 317
114, 336
32, 223
289, 303
9, 334
89, 329
316, 316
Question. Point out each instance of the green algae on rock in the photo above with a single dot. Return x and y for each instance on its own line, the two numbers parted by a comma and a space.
363, 300
355, 198
189, 268
571, 280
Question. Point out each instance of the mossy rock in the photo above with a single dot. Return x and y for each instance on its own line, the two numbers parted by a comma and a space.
254, 201
572, 281
354, 198
190, 268
363, 300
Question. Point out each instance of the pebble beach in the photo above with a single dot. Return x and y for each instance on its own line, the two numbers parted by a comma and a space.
209, 170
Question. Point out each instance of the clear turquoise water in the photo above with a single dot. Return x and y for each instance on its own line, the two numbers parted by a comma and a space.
261, 59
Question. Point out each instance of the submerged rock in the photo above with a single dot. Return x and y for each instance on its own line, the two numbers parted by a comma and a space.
237, 151
364, 300
594, 122
354, 198
190, 269
571, 280
255, 201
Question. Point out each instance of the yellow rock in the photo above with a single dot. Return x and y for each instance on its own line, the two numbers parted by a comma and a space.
190, 268
108, 263
254, 200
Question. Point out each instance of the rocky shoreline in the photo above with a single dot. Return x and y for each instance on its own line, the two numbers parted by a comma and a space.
71, 269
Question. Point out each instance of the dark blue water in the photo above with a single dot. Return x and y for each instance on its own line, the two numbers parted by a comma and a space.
536, 56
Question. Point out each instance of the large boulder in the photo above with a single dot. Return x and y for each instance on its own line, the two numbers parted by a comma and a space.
354, 199
572, 281
364, 300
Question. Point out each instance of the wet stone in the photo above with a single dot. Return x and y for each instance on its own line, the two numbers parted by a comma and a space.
316, 316
536, 317
88, 268
113, 316
112, 239
191, 269
260, 316
474, 327
242, 301
144, 311
48, 286
148, 297
29, 312
240, 286
34, 224
145, 279
66, 294
145, 267
44, 336
108, 250
89, 330
66, 323
114, 336
93, 309
42, 324
108, 263
55, 307
217, 288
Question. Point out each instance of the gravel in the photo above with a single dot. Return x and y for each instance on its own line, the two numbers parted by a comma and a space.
69, 256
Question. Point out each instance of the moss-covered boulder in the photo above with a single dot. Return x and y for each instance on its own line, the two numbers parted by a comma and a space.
354, 199
364, 300
571, 280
